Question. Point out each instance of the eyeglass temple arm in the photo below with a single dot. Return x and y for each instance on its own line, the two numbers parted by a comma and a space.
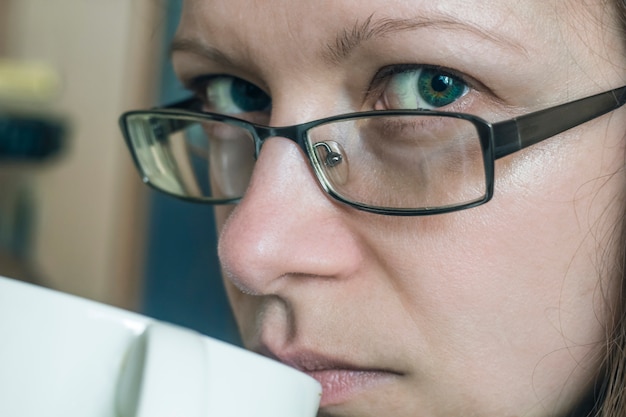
521, 132
186, 104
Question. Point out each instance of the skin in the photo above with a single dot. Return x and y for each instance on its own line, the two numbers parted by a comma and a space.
493, 311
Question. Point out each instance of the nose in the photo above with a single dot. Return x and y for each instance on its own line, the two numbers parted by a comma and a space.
286, 228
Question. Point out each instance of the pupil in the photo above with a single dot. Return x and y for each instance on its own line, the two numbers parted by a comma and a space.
440, 83
249, 97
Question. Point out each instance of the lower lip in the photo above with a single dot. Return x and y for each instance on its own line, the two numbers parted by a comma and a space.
340, 385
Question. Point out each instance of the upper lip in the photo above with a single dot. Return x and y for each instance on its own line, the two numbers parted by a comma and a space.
309, 361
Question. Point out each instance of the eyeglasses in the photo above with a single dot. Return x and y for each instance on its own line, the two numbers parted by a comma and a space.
405, 162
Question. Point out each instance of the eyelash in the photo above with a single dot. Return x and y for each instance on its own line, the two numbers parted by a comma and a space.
390, 70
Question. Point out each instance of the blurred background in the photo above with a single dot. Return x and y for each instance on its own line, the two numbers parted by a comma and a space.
74, 214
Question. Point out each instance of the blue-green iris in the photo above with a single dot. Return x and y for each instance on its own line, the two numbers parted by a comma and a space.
439, 89
248, 97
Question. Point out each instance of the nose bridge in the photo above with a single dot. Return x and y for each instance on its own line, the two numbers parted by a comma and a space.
294, 133
275, 230
298, 99
286, 225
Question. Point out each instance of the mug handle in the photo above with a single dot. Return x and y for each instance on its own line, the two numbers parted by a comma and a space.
164, 374
173, 371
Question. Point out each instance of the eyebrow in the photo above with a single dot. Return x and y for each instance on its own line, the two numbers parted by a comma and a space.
198, 48
350, 39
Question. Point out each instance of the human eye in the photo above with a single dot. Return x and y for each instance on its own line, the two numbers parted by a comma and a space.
419, 87
230, 95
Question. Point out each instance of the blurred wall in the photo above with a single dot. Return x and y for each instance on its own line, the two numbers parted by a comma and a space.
89, 205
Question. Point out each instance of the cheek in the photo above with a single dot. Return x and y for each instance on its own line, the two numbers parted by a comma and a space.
242, 305
518, 286
543, 239
243, 308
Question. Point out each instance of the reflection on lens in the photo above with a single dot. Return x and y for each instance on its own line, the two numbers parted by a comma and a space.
232, 159
192, 157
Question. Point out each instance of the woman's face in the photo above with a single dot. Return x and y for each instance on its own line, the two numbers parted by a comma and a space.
492, 311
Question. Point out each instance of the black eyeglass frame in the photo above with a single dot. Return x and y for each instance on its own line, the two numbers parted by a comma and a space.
497, 139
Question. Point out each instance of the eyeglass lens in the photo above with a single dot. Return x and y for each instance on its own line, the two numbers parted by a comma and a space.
403, 161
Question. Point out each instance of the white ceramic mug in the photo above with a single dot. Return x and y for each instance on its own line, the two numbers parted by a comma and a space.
64, 356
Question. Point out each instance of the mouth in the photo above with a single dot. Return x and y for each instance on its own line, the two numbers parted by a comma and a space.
340, 381
340, 385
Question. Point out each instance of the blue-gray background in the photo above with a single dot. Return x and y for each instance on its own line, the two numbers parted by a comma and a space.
182, 277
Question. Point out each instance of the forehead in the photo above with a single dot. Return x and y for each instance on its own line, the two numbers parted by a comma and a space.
303, 19
266, 36
335, 27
